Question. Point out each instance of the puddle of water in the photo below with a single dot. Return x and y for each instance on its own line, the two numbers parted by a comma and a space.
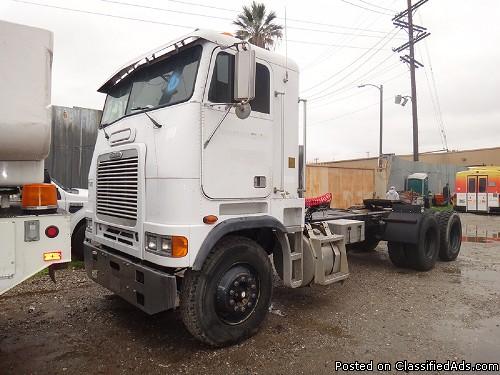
481, 343
473, 233
489, 276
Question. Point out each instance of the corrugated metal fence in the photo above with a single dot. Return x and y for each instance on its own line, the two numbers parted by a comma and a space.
439, 174
74, 132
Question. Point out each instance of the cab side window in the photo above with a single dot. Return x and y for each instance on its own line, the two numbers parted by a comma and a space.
222, 84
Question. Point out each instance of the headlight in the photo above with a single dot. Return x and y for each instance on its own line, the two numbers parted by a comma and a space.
151, 242
166, 245
89, 226
170, 246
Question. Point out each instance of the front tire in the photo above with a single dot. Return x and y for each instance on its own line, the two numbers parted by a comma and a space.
227, 300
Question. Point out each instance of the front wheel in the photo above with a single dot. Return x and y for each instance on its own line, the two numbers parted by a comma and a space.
228, 299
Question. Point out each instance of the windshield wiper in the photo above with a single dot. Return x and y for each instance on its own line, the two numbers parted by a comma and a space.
155, 123
149, 106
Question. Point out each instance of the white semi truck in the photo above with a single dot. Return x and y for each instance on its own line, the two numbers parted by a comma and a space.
34, 233
196, 188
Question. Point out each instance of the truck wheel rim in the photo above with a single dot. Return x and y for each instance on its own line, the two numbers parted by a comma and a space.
237, 294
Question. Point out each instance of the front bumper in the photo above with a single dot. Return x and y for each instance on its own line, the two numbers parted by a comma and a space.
150, 290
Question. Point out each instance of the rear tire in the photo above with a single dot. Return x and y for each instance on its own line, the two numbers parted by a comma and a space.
77, 239
450, 231
228, 299
423, 255
397, 254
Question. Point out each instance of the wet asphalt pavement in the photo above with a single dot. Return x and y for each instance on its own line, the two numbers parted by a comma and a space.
380, 313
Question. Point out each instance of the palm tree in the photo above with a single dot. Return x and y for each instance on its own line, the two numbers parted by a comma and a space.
257, 27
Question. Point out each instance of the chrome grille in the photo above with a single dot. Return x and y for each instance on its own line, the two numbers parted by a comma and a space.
117, 186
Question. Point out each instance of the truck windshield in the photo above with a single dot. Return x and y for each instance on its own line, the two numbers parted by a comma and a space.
415, 185
164, 83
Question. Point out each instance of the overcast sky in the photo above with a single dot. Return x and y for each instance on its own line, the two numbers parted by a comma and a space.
458, 86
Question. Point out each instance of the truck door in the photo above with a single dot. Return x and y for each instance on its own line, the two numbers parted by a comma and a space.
482, 193
236, 153
472, 193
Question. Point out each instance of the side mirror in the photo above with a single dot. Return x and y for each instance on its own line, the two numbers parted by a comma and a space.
244, 75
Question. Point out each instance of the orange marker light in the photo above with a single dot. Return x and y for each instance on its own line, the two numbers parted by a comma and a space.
179, 246
39, 196
52, 255
210, 219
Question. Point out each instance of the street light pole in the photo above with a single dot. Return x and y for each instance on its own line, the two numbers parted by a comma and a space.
381, 114
381, 122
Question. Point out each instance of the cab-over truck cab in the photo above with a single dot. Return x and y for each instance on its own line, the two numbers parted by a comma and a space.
194, 182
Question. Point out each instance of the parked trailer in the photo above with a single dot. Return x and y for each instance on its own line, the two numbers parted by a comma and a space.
478, 189
195, 182
34, 233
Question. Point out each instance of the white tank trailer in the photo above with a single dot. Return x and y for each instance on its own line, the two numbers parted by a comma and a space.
197, 179
33, 233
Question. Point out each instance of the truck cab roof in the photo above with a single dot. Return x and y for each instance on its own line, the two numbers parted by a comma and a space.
221, 39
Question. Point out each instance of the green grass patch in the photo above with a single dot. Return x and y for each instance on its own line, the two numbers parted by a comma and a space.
74, 264
77, 264
442, 208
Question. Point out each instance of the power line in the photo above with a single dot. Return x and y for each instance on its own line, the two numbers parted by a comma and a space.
103, 14
349, 113
348, 65
280, 18
332, 85
319, 103
166, 10
171, 24
438, 103
228, 18
351, 84
365, 8
335, 45
329, 54
375, 5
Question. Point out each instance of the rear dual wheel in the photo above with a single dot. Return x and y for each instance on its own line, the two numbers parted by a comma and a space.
450, 228
423, 255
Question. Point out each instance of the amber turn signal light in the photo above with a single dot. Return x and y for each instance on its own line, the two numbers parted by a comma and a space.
210, 219
39, 197
179, 246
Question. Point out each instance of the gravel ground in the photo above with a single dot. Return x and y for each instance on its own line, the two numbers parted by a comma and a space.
380, 313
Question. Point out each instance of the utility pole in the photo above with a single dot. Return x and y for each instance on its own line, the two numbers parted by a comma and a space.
421, 33
413, 83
